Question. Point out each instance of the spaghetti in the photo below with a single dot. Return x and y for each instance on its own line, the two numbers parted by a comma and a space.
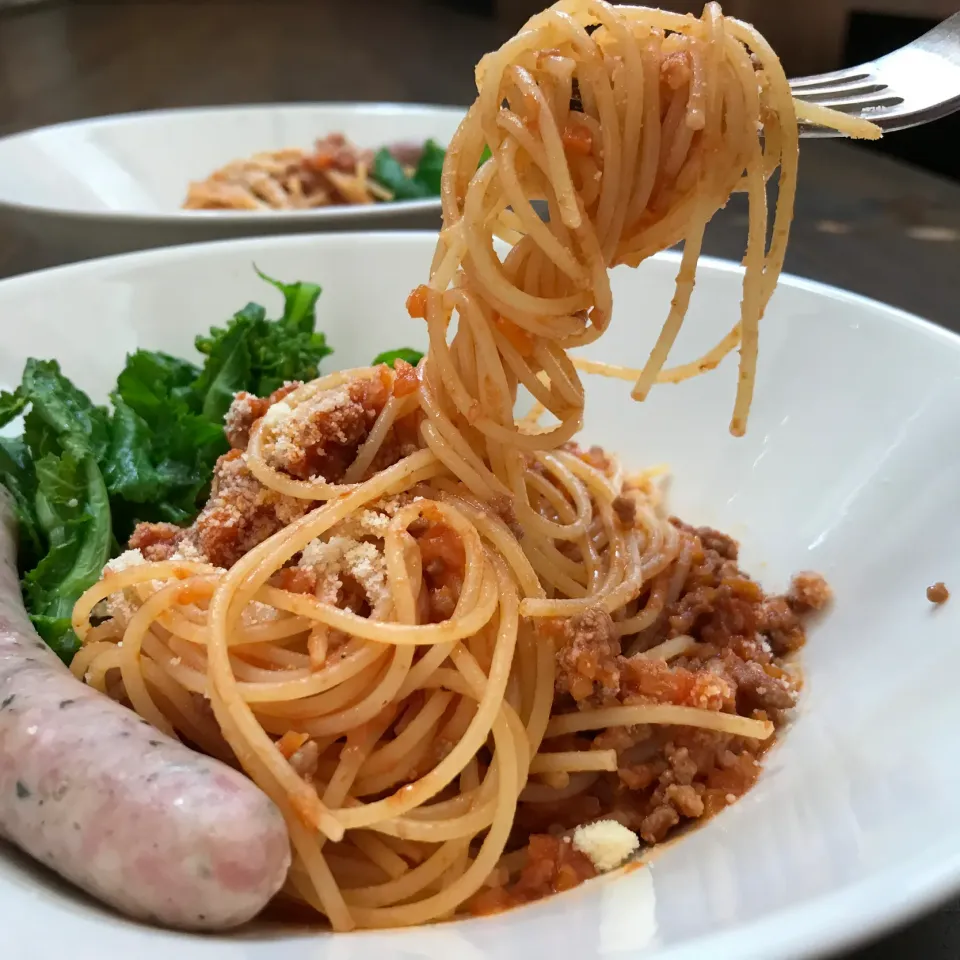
436, 635
335, 172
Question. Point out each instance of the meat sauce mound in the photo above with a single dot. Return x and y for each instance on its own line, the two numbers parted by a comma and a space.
667, 776
317, 439
730, 642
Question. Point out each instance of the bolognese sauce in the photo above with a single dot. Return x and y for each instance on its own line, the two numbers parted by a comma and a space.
719, 642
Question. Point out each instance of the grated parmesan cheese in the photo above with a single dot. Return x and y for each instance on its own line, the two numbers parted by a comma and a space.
606, 842
325, 553
368, 567
363, 561
276, 414
256, 612
366, 523
187, 550
130, 558
241, 409
290, 425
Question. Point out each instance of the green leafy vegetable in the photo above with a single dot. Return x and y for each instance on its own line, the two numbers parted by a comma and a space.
11, 405
18, 476
388, 171
229, 361
127, 467
167, 429
162, 448
60, 414
255, 354
58, 635
60, 497
73, 511
81, 475
389, 357
425, 180
430, 167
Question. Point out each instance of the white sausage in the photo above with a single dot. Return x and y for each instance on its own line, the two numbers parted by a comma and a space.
131, 816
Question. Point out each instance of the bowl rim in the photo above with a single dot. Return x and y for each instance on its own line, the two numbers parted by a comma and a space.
858, 911
176, 251
235, 218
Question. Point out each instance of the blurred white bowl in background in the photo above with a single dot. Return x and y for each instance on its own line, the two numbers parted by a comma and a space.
114, 184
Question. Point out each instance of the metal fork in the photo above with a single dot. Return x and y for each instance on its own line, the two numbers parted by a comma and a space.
915, 84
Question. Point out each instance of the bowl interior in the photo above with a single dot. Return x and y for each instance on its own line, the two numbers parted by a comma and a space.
851, 466
142, 163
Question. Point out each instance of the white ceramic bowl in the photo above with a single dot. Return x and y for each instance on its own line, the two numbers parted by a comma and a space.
851, 466
114, 184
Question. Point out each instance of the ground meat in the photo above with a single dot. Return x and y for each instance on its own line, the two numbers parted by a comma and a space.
684, 768
698, 774
443, 560
240, 513
156, 541
685, 799
718, 542
656, 825
938, 593
670, 775
552, 865
596, 457
695, 773
570, 550
402, 440
715, 591
622, 739
296, 580
405, 380
640, 776
321, 436
782, 625
626, 510
246, 410
757, 689
503, 507
335, 152
809, 591
408, 153
587, 661
352, 596
418, 527
654, 681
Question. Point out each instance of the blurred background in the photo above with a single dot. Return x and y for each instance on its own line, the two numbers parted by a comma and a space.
882, 219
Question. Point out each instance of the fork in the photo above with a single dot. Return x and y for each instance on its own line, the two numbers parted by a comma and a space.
913, 85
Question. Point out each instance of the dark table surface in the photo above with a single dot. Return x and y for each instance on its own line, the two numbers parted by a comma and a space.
863, 221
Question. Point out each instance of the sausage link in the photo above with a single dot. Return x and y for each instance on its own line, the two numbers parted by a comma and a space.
133, 817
